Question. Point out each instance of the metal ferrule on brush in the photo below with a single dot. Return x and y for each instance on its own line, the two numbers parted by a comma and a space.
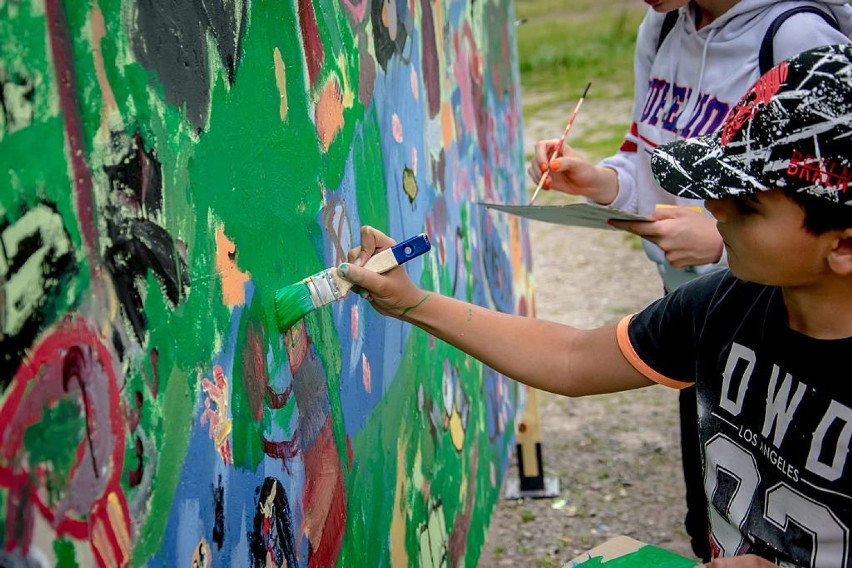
323, 288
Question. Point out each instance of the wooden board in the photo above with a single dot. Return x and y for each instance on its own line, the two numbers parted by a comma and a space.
625, 552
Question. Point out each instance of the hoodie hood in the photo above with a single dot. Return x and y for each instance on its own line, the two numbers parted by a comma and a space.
738, 18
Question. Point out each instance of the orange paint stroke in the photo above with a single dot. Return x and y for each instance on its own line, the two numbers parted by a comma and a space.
329, 113
516, 249
296, 342
448, 126
98, 32
118, 522
233, 281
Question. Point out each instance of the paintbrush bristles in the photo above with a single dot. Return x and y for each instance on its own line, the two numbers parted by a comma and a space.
294, 302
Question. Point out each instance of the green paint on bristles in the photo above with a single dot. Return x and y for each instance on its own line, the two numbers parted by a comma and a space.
292, 303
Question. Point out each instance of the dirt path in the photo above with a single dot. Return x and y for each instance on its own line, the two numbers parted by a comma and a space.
617, 456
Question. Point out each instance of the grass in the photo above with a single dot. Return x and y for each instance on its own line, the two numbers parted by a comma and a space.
564, 45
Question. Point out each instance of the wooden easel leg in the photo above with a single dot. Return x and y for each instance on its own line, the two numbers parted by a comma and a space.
531, 481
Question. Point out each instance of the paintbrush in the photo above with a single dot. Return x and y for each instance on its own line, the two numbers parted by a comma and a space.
556, 150
295, 301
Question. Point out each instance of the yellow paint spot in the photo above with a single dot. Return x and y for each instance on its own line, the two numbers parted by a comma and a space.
348, 92
280, 82
398, 554
233, 291
456, 430
329, 113
409, 184
118, 524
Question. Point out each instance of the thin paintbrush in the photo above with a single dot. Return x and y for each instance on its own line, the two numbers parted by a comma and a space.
295, 301
559, 144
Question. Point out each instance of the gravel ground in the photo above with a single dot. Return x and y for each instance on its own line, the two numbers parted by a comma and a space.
617, 456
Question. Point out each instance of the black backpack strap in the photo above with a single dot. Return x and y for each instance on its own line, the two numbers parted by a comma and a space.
767, 57
668, 23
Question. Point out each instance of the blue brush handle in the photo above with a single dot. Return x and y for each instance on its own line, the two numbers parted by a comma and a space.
411, 248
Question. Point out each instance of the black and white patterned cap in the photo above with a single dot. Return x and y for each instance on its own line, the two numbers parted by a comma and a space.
792, 129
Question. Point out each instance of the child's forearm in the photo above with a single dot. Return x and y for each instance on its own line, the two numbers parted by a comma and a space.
545, 355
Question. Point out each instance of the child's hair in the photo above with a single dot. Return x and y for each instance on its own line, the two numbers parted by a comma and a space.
821, 215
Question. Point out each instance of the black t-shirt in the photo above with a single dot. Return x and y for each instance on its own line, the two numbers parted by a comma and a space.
775, 416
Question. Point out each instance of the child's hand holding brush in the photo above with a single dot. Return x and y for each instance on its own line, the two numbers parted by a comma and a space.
392, 293
570, 172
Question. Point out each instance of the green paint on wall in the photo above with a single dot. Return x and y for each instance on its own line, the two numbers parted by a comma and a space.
178, 400
262, 179
250, 420
428, 446
371, 189
66, 557
54, 441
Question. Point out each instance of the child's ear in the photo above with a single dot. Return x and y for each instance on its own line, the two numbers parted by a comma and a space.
840, 256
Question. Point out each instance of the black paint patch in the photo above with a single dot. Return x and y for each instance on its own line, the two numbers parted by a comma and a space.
57, 269
272, 530
385, 46
219, 514
137, 242
171, 39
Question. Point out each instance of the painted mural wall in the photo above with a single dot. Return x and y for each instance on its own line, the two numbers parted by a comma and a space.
164, 168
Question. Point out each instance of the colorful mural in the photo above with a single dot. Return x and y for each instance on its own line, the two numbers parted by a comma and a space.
166, 166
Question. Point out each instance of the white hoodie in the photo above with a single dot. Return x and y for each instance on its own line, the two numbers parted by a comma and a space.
688, 86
